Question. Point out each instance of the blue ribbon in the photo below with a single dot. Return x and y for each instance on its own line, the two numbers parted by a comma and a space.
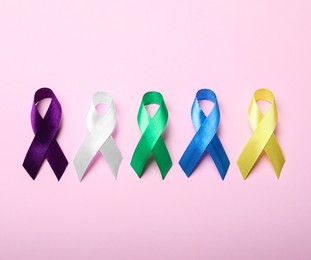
205, 139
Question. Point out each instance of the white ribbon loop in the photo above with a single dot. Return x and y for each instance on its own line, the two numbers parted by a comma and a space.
100, 137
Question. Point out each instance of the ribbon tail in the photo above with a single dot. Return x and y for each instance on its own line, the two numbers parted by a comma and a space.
85, 155
245, 163
112, 155
140, 156
190, 159
249, 157
219, 156
31, 169
56, 159
193, 153
162, 157
34, 158
275, 155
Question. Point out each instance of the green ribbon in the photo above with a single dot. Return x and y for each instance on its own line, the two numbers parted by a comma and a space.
151, 140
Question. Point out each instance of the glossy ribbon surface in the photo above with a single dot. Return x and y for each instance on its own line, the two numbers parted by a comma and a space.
100, 137
205, 139
151, 140
44, 144
263, 138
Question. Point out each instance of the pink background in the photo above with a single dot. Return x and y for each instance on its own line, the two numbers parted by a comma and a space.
176, 47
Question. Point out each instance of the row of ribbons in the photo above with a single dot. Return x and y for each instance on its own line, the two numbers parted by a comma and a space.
204, 142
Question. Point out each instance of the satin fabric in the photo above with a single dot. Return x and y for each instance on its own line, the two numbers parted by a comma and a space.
44, 144
100, 137
263, 138
151, 141
205, 141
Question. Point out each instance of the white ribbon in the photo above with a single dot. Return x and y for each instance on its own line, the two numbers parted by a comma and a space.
100, 137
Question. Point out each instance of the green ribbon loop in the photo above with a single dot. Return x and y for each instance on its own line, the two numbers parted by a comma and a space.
151, 141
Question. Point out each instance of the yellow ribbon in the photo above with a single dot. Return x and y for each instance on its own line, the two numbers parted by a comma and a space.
263, 138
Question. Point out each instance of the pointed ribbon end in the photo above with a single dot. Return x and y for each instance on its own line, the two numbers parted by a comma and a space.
32, 176
30, 172
242, 170
138, 172
79, 173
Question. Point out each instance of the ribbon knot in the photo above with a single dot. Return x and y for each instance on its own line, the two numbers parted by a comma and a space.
44, 144
100, 137
205, 139
151, 141
263, 138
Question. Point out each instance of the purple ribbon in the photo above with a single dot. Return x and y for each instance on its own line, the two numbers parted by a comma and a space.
44, 144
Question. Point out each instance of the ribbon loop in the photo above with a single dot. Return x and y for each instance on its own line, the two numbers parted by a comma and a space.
205, 139
151, 140
263, 138
100, 137
44, 144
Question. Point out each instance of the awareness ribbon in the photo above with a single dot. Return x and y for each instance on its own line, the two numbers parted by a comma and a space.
100, 137
205, 139
44, 144
263, 138
151, 140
